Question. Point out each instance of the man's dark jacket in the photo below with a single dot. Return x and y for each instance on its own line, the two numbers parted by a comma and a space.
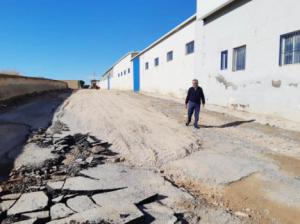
195, 96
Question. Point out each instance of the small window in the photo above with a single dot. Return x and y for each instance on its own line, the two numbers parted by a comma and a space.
121, 73
170, 56
125, 72
156, 61
190, 47
128, 70
147, 65
118, 74
290, 48
239, 58
224, 60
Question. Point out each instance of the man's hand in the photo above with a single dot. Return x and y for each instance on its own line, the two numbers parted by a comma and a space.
186, 106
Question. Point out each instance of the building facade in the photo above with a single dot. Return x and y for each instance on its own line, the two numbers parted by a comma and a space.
104, 82
245, 53
168, 65
248, 55
120, 75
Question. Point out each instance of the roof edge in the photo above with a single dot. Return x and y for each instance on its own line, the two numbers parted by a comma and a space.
215, 10
167, 35
124, 56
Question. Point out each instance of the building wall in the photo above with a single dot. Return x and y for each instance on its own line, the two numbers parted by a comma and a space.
103, 83
119, 80
13, 86
264, 86
174, 77
72, 84
205, 7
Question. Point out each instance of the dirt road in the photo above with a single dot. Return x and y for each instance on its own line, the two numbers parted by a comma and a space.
239, 165
229, 171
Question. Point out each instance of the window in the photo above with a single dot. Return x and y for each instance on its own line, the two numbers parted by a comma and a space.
156, 61
125, 72
190, 47
290, 48
128, 70
118, 74
147, 65
239, 58
224, 60
121, 73
170, 56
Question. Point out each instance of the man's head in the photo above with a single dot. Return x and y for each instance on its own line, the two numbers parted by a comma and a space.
195, 83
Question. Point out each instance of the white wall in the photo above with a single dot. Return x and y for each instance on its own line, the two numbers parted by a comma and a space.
257, 24
103, 83
205, 7
124, 82
174, 77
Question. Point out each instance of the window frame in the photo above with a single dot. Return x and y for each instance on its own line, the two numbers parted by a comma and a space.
187, 49
235, 58
282, 52
170, 56
224, 64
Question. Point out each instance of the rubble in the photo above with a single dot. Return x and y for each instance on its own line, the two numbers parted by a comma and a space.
40, 191
37, 215
81, 204
60, 211
28, 221
161, 214
83, 183
29, 202
55, 186
11, 196
57, 199
5, 205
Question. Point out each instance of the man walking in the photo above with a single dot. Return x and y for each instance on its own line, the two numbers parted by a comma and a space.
193, 102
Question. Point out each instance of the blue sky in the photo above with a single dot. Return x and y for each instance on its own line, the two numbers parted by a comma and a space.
72, 39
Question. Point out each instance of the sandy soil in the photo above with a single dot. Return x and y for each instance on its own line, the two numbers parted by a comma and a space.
233, 163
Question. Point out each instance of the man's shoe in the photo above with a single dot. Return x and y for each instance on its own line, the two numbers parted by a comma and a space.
187, 123
196, 127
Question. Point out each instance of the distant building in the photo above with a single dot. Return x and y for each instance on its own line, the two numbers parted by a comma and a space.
120, 75
104, 82
168, 65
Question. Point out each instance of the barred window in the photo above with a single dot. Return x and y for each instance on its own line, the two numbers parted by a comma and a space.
290, 48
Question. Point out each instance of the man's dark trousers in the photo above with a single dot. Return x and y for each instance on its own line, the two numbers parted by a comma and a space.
193, 107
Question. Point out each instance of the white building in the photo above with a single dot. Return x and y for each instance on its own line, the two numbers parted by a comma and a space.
249, 55
104, 82
245, 53
120, 75
168, 65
